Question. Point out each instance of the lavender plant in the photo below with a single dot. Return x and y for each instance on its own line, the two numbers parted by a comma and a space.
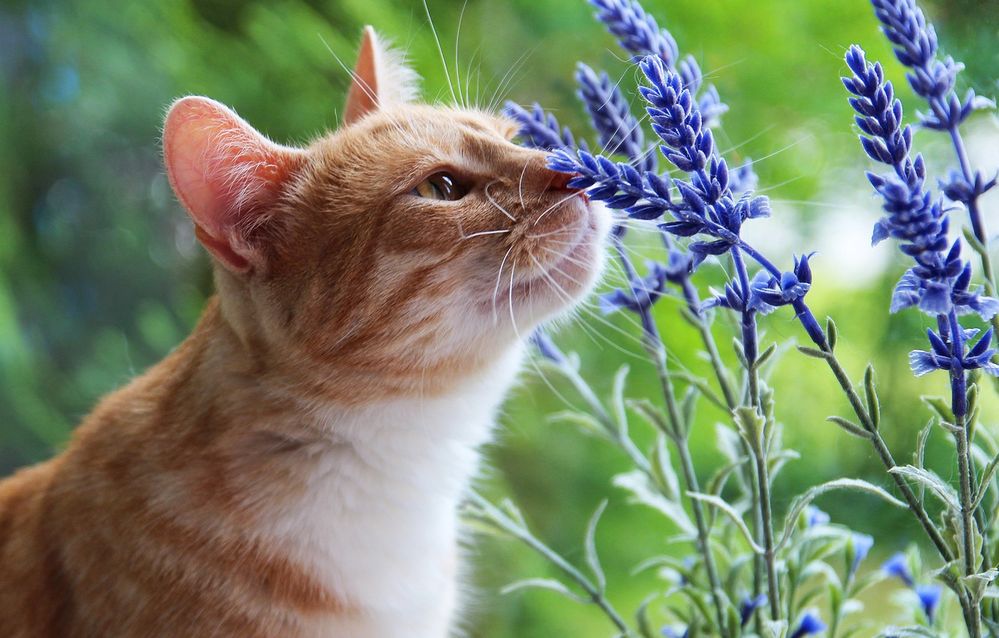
775, 572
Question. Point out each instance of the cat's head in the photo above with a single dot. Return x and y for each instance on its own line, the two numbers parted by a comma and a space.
413, 245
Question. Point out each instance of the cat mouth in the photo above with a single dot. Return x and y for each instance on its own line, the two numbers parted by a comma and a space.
570, 273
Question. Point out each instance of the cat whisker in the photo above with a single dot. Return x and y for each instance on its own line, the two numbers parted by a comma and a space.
508, 77
497, 204
457, 67
358, 80
553, 207
440, 50
499, 275
486, 232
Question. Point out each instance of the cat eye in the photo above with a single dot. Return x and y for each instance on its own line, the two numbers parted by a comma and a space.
441, 186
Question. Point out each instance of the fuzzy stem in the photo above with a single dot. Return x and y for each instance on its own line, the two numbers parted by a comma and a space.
764, 514
653, 343
522, 534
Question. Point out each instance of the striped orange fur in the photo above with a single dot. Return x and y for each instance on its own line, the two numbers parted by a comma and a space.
294, 466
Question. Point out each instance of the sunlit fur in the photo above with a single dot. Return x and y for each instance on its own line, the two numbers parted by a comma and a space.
293, 467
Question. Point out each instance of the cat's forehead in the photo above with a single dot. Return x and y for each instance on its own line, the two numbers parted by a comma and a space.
418, 127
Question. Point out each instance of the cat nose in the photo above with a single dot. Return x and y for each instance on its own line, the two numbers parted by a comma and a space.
560, 182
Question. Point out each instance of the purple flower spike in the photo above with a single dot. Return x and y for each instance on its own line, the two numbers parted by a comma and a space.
898, 567
929, 599
808, 625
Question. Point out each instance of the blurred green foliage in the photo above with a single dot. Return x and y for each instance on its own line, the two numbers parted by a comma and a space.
100, 275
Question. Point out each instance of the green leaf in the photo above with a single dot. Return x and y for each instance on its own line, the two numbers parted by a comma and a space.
940, 407
662, 467
831, 333
765, 356
740, 353
972, 398
642, 619
983, 483
687, 406
870, 389
729, 511
590, 547
812, 352
802, 501
849, 426
929, 479
617, 400
642, 492
750, 426
550, 584
978, 583
774, 628
585, 422
648, 411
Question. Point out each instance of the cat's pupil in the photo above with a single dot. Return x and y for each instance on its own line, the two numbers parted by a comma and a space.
442, 186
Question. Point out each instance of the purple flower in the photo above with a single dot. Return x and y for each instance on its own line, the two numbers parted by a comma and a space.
929, 598
748, 607
791, 287
942, 355
915, 44
645, 291
675, 631
898, 567
814, 516
539, 129
547, 347
861, 545
637, 32
809, 624
618, 129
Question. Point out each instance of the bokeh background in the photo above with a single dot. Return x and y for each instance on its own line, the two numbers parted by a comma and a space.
100, 274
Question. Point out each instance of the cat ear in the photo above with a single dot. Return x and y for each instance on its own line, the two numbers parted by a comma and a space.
227, 176
381, 78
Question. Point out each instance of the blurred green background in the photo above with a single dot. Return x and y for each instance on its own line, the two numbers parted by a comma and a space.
100, 275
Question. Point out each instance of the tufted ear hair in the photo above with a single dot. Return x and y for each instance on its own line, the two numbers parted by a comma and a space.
227, 175
381, 78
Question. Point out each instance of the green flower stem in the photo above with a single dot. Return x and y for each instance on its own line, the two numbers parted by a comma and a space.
968, 526
521, 533
678, 434
728, 393
759, 446
881, 447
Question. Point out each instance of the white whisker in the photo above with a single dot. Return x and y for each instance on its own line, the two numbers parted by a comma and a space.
495, 203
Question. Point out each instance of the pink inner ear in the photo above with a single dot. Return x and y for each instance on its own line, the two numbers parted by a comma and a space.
224, 173
362, 98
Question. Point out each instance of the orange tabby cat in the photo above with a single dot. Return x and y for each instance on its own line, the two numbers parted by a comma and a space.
294, 467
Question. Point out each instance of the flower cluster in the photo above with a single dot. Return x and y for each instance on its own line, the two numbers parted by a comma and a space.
940, 282
618, 129
915, 44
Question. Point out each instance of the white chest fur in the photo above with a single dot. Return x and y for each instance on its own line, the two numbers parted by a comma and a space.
377, 522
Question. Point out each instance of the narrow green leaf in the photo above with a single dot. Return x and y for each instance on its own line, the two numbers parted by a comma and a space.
940, 407
729, 511
802, 501
972, 398
983, 483
590, 547
813, 352
831, 333
765, 356
849, 426
585, 422
662, 467
750, 426
929, 479
617, 399
687, 406
648, 411
544, 583
873, 404
740, 353
642, 619
637, 484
